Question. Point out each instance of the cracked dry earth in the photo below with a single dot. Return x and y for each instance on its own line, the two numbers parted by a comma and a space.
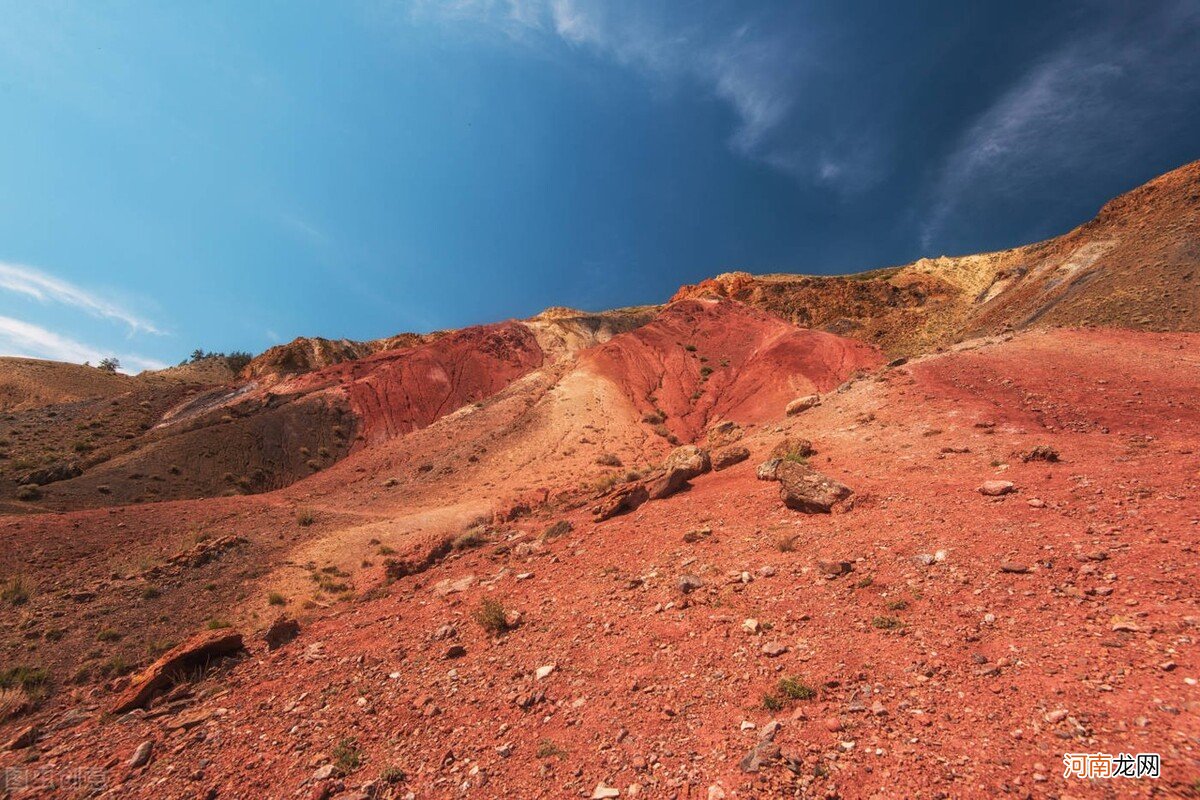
929, 642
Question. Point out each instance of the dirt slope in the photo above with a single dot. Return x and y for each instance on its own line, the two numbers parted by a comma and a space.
32, 383
952, 677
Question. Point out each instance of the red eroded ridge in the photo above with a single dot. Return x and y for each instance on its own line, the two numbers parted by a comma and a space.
398, 391
702, 360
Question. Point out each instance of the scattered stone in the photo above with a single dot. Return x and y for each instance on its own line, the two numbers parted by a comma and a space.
603, 791
1058, 715
793, 449
26, 737
622, 501
196, 651
804, 489
448, 586
283, 630
774, 649
454, 651
323, 773
769, 470
689, 583
544, 671
834, 569
802, 404
1125, 624
751, 626
996, 488
833, 724
728, 456
683, 464
764, 754
141, 755
1041, 453
1014, 567
190, 719
724, 433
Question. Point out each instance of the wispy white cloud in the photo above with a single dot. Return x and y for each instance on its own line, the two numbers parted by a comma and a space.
20, 338
41, 286
757, 69
1084, 107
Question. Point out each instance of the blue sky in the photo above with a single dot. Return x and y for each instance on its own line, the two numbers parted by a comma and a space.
229, 175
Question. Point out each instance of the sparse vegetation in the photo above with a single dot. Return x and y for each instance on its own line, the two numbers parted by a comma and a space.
346, 756
797, 455
29, 492
216, 623
276, 599
304, 518
109, 364
108, 635
608, 460
549, 749
897, 605
492, 617
469, 540
795, 689
392, 775
557, 529
15, 591
887, 623
30, 679
150, 592
236, 360
772, 703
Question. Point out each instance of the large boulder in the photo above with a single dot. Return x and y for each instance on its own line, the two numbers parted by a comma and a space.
52, 474
281, 631
728, 456
724, 434
802, 404
804, 489
768, 470
793, 449
196, 653
683, 464
622, 501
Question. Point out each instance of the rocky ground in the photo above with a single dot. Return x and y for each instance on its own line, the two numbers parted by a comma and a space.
1013, 577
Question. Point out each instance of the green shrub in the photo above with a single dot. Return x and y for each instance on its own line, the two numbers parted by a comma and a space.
346, 756
795, 689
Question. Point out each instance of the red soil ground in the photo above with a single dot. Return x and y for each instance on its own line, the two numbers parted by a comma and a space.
945, 679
